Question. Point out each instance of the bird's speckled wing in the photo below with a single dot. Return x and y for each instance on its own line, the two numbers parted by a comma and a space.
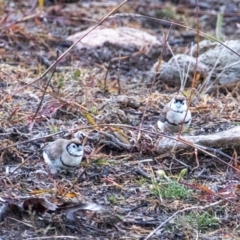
163, 114
54, 150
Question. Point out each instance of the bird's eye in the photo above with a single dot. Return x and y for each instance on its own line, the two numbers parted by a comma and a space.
180, 101
74, 146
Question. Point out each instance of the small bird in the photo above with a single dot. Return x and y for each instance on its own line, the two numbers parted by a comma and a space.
63, 154
176, 114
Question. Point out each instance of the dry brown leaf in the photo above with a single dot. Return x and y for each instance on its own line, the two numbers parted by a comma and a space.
41, 191
89, 118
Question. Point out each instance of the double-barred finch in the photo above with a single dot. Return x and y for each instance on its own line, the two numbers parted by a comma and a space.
175, 115
63, 154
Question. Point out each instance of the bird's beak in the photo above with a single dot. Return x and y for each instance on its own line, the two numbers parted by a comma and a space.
178, 104
79, 148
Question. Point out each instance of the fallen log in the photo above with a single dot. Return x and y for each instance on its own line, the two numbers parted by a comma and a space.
225, 140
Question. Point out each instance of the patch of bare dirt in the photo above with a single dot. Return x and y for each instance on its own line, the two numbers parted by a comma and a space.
129, 185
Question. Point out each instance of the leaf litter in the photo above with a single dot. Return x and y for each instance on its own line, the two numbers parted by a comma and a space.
116, 192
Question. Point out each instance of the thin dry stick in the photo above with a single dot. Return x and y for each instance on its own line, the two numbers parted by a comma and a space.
44, 92
65, 53
182, 140
153, 82
32, 140
180, 211
22, 222
174, 23
202, 149
54, 237
107, 70
194, 82
195, 69
20, 165
18, 80
73, 184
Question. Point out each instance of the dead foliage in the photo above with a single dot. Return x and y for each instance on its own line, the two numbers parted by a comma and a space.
134, 182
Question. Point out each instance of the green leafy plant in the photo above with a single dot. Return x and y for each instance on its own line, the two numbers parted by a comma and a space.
219, 26
93, 110
168, 12
77, 74
60, 82
200, 221
53, 129
116, 199
112, 199
101, 162
141, 181
171, 189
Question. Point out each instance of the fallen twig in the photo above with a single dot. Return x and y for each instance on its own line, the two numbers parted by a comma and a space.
180, 211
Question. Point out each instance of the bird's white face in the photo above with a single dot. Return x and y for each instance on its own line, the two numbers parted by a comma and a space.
178, 105
75, 149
